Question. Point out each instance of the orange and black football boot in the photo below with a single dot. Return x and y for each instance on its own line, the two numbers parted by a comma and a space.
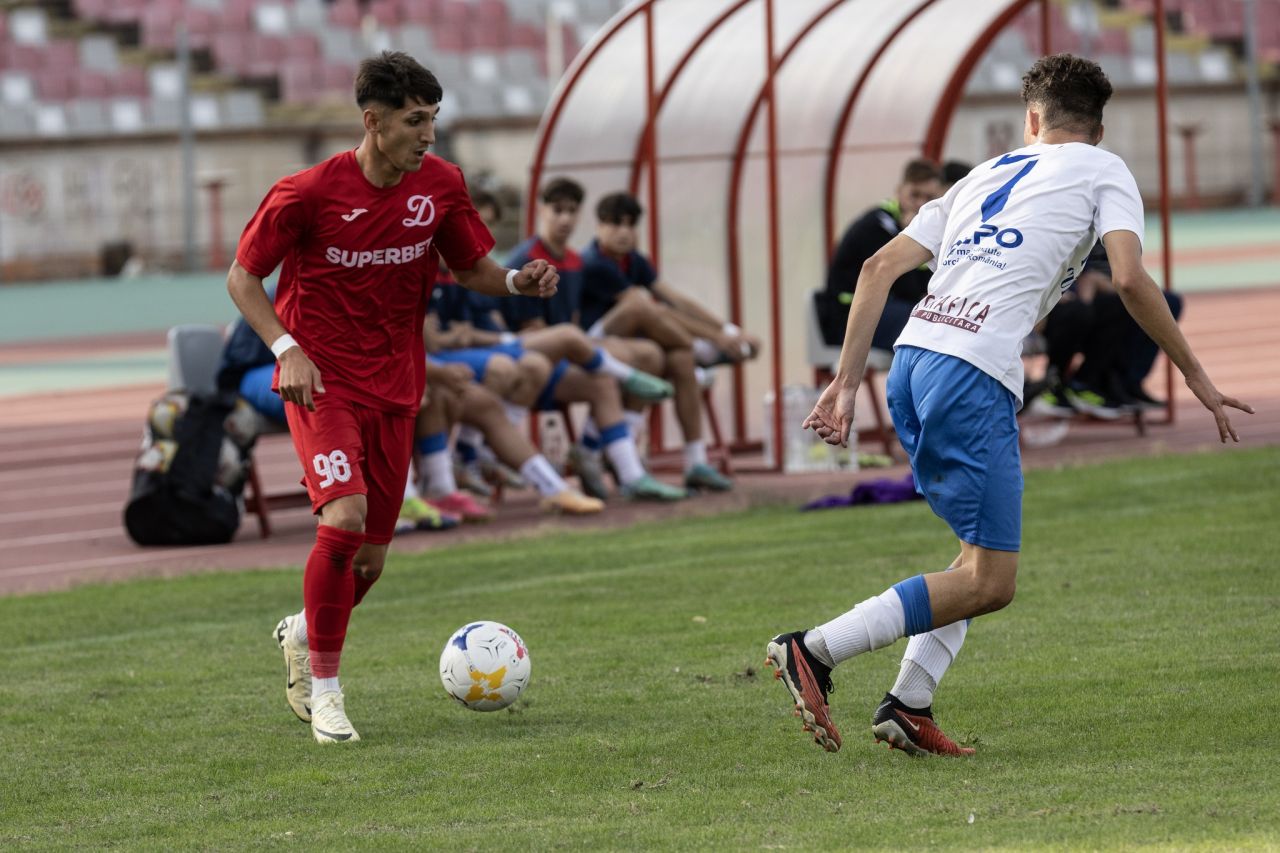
808, 680
912, 730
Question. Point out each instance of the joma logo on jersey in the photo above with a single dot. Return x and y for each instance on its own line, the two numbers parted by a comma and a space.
420, 206
377, 257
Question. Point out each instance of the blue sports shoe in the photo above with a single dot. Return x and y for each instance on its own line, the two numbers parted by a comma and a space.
705, 478
650, 488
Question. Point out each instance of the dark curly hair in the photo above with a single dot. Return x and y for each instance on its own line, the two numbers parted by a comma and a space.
392, 77
562, 189
619, 209
1070, 92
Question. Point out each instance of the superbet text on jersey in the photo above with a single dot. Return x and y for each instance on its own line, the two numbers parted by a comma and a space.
358, 263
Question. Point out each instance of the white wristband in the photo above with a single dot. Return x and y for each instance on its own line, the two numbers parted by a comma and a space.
507, 337
511, 283
282, 343
731, 329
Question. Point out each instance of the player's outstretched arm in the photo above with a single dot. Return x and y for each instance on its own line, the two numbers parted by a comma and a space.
299, 377
536, 278
1142, 299
832, 417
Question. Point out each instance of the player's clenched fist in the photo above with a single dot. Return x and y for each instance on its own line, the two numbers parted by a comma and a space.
537, 278
299, 378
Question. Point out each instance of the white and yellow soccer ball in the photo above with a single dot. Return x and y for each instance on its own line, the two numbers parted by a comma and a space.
164, 414
485, 666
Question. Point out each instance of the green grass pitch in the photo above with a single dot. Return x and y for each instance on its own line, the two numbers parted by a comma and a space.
1126, 698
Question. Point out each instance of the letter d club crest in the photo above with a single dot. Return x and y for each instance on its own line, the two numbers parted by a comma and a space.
423, 210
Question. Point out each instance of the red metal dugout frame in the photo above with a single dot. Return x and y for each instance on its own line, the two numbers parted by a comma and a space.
645, 154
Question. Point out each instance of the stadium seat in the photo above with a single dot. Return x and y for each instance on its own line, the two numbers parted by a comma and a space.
194, 350
822, 357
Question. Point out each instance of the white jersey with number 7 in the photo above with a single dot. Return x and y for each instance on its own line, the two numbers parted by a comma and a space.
1008, 239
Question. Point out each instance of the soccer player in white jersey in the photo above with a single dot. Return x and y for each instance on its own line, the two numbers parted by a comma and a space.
1005, 241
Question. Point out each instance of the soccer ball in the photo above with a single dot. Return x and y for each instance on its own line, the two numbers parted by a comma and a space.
231, 472
241, 426
484, 666
165, 413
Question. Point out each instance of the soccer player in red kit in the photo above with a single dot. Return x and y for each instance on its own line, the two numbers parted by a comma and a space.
358, 237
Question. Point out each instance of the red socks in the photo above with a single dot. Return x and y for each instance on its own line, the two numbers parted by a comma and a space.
362, 586
329, 592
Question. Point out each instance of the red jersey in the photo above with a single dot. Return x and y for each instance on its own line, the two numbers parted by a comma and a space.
358, 269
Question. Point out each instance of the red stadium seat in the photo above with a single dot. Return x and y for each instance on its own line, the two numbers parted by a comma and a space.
55, 85
345, 13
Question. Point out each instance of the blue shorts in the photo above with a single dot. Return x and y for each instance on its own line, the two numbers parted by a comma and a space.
255, 387
477, 358
959, 427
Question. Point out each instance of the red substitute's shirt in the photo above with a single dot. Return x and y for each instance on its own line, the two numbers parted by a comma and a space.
358, 269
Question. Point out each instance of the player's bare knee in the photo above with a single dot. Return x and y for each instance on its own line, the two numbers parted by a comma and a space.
997, 596
647, 356
534, 374
345, 513
994, 593
577, 346
500, 376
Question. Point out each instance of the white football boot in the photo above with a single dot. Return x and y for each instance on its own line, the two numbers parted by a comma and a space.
297, 668
329, 723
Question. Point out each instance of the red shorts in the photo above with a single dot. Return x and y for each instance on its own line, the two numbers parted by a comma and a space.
349, 449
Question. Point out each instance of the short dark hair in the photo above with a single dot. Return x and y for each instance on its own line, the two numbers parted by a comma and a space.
562, 189
954, 170
617, 208
1070, 90
392, 77
484, 198
920, 170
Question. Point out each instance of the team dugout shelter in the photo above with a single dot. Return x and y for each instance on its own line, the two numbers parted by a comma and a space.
754, 130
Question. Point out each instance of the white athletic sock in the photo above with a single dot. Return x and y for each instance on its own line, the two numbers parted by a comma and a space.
873, 624
925, 662
470, 435
612, 366
635, 420
515, 414
625, 458
300, 627
538, 470
705, 352
817, 646
323, 685
437, 470
410, 487
695, 453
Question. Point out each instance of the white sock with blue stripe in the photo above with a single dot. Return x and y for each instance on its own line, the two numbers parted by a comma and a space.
879, 621
603, 362
537, 470
925, 662
436, 465
622, 453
